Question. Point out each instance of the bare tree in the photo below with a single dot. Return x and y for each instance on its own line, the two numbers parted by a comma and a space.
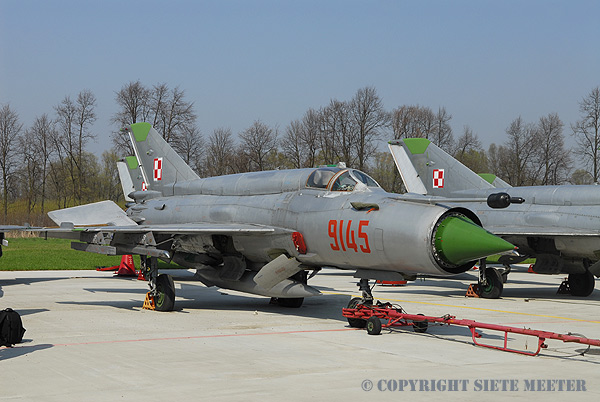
587, 131
339, 139
442, 134
369, 118
552, 162
466, 142
420, 122
257, 142
29, 176
74, 122
219, 153
518, 152
469, 151
172, 113
166, 109
42, 131
291, 144
10, 129
311, 122
86, 116
300, 143
133, 100
190, 146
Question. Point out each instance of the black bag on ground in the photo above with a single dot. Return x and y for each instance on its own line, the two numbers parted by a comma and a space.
11, 327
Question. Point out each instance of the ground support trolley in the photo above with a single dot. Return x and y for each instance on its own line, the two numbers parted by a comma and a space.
370, 316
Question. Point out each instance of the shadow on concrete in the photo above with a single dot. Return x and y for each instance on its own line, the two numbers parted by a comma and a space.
20, 350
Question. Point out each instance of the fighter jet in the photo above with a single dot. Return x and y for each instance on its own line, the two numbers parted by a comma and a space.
559, 226
263, 232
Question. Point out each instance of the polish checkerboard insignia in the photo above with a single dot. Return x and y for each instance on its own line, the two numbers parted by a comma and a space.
438, 178
158, 169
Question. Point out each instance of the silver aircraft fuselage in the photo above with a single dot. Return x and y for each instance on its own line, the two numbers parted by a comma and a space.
392, 238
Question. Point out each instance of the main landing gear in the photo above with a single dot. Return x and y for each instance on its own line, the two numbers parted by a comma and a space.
162, 288
292, 302
581, 285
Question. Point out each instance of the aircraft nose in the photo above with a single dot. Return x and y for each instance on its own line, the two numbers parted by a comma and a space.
458, 240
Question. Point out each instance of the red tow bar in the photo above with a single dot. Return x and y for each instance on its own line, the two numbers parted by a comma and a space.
370, 317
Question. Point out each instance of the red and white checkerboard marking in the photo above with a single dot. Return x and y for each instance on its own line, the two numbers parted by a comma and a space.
438, 178
144, 186
157, 169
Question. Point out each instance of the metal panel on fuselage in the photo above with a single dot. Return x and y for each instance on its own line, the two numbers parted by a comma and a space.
336, 234
568, 214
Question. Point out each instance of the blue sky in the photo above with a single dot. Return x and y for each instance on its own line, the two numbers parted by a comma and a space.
486, 62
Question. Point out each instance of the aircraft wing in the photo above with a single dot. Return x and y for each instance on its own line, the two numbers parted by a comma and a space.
187, 228
150, 240
540, 231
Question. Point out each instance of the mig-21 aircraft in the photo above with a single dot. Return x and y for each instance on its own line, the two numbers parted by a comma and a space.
262, 232
559, 226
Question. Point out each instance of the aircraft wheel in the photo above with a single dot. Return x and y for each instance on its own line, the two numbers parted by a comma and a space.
373, 326
165, 301
493, 288
293, 302
356, 322
420, 326
581, 284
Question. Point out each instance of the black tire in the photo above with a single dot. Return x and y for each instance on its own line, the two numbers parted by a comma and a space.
165, 301
582, 285
373, 326
294, 302
420, 326
493, 288
356, 322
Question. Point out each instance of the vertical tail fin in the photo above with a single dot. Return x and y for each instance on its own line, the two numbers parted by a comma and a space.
126, 180
426, 169
130, 174
159, 165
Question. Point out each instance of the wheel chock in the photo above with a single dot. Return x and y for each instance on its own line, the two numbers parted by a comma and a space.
564, 288
126, 268
473, 290
141, 276
149, 302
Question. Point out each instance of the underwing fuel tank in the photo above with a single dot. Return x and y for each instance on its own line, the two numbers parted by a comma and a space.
285, 289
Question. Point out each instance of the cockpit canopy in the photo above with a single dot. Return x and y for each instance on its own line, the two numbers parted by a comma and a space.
339, 179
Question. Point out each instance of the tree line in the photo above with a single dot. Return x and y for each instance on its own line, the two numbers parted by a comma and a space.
46, 165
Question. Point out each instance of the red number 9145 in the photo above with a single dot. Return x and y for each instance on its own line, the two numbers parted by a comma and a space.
343, 236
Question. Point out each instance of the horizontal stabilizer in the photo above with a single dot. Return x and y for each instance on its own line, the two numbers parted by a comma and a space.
98, 213
276, 271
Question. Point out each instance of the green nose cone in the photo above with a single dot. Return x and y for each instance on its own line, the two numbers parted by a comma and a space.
458, 240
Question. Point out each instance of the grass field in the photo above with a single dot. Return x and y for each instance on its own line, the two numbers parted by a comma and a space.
32, 254
36, 254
